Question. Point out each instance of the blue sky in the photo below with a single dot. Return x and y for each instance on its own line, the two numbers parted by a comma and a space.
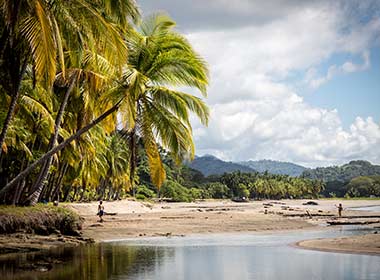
354, 94
290, 80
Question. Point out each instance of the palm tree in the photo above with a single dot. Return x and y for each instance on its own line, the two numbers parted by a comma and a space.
158, 57
160, 60
85, 25
86, 78
34, 31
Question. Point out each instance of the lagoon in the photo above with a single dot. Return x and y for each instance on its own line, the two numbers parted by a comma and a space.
208, 257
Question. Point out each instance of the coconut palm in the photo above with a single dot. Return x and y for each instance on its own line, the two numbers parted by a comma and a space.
160, 61
38, 31
158, 57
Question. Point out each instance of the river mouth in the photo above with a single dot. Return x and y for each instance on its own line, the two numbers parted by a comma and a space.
217, 256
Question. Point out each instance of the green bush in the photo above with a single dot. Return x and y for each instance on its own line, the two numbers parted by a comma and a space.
218, 190
145, 192
175, 191
242, 191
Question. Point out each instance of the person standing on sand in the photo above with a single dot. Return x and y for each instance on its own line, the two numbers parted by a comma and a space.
340, 209
101, 210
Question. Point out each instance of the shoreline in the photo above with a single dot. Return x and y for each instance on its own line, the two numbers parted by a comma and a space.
132, 219
347, 245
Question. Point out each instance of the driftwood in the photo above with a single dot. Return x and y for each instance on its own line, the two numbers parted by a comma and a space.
308, 215
335, 222
110, 214
361, 217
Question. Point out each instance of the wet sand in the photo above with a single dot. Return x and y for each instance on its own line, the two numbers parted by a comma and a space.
135, 219
361, 244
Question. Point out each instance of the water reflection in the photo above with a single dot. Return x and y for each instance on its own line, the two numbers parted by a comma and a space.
219, 257
101, 261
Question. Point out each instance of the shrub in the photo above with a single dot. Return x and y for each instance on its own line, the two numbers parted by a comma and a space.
175, 191
218, 190
145, 192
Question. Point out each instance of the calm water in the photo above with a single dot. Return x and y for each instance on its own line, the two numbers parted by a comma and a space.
375, 208
218, 257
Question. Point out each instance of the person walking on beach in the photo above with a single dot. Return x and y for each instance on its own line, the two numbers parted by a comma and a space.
101, 210
340, 209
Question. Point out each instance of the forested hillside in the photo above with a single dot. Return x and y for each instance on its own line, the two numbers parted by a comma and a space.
342, 173
357, 178
275, 167
210, 165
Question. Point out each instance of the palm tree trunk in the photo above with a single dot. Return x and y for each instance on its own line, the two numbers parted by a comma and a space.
133, 159
12, 106
60, 147
40, 183
54, 195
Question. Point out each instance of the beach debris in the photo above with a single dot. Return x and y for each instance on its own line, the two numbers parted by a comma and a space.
308, 215
346, 222
96, 225
110, 214
310, 203
176, 217
268, 204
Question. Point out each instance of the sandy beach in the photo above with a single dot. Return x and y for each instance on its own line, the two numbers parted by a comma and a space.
361, 244
133, 219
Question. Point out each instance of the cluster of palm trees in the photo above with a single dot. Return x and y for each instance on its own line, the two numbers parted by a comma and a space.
82, 84
270, 186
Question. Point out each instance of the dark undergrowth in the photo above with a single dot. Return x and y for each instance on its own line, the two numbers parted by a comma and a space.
40, 219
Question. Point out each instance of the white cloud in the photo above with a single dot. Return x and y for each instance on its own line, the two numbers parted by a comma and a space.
315, 82
256, 113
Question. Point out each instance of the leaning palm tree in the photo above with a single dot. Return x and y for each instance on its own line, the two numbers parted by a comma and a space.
160, 61
159, 57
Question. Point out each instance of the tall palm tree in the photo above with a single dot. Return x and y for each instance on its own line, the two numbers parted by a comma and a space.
159, 61
34, 31
158, 57
75, 26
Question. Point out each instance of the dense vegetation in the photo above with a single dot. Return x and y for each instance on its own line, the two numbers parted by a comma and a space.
357, 178
342, 173
187, 184
73, 72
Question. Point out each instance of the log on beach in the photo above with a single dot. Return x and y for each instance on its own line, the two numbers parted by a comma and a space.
308, 215
336, 223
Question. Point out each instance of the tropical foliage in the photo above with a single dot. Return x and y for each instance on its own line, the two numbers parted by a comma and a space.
72, 73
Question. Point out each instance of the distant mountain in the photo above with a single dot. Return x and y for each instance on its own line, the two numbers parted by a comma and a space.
275, 167
210, 165
343, 173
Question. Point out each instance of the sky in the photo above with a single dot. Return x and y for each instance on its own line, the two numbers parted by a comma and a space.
290, 80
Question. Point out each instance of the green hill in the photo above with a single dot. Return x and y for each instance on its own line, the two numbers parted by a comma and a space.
275, 167
210, 165
342, 173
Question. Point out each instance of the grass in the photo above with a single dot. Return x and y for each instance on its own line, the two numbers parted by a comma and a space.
40, 219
